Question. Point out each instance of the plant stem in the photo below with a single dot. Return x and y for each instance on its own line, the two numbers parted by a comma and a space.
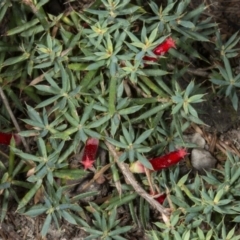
131, 179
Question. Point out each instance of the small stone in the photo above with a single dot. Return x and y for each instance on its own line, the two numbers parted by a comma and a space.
202, 160
195, 138
198, 140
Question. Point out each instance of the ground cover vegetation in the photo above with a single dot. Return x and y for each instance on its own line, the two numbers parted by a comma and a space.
86, 95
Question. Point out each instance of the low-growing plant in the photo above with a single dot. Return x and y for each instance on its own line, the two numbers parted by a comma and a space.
113, 74
205, 207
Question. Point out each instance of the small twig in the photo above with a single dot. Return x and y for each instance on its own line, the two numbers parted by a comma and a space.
149, 178
37, 79
131, 179
221, 145
5, 101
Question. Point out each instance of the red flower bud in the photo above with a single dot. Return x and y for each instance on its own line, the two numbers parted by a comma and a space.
162, 162
162, 48
5, 138
168, 160
159, 197
89, 153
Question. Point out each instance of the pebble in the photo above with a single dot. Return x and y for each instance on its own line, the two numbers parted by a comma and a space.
202, 160
195, 138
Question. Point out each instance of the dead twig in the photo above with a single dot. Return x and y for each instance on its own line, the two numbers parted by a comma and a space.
5, 101
131, 179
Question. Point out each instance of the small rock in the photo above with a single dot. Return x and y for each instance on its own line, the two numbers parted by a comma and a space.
202, 160
198, 140
195, 138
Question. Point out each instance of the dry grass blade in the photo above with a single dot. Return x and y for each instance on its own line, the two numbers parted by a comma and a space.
37, 80
216, 143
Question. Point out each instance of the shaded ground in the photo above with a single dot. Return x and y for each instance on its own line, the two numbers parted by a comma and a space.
19, 227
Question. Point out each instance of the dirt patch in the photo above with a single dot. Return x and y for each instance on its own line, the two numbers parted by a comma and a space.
20, 227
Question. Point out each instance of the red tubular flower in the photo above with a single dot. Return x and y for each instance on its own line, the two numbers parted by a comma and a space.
159, 197
89, 153
168, 160
163, 48
162, 162
5, 138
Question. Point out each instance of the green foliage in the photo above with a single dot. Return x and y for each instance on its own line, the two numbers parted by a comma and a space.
9, 181
105, 225
84, 75
183, 100
225, 78
204, 206
60, 208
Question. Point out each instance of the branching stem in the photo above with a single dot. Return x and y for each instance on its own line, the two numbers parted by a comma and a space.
131, 179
